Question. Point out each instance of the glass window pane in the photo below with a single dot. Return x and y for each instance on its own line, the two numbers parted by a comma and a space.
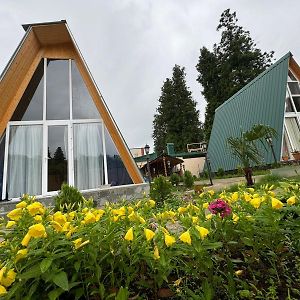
294, 88
57, 157
83, 104
294, 132
297, 103
117, 173
57, 82
2, 149
288, 103
88, 156
30, 107
24, 161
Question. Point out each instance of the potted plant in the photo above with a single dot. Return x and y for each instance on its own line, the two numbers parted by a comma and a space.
296, 154
285, 156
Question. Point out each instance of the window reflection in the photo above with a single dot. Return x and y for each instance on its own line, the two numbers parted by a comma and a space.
30, 107
58, 103
57, 157
117, 173
83, 104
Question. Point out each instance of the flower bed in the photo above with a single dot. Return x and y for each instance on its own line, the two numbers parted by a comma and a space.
241, 245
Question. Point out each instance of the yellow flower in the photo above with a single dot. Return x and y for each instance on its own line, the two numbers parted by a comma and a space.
202, 231
15, 214
21, 254
142, 220
255, 202
156, 253
2, 290
129, 235
208, 216
36, 208
71, 231
149, 234
26, 240
151, 203
169, 240
239, 272
37, 231
57, 226
271, 193
132, 216
205, 205
277, 204
121, 211
251, 190
89, 218
291, 200
178, 281
182, 210
10, 224
186, 238
8, 277
78, 243
235, 218
99, 213
71, 215
195, 219
211, 192
247, 197
235, 196
38, 218
60, 218
21, 204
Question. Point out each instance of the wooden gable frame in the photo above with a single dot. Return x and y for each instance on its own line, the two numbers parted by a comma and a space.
54, 40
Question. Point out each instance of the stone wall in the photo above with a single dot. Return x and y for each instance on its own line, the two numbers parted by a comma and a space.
100, 196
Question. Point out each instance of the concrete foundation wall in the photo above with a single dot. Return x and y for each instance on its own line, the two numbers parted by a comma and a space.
100, 196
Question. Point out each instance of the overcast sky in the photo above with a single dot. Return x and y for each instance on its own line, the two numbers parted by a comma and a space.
131, 46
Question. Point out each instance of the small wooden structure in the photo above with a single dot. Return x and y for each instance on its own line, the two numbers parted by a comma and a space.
162, 165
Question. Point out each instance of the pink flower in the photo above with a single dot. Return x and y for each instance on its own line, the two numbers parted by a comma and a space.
219, 206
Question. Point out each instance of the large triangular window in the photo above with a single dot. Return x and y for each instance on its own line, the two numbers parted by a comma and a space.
56, 135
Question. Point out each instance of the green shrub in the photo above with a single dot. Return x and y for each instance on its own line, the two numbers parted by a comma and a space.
188, 179
160, 189
175, 179
69, 198
220, 172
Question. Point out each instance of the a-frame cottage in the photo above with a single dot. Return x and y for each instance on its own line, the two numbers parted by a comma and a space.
54, 124
272, 98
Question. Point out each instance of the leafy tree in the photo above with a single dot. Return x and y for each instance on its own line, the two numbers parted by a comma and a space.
231, 64
177, 119
245, 147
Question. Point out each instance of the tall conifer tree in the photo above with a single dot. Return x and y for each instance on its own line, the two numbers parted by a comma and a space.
177, 119
233, 63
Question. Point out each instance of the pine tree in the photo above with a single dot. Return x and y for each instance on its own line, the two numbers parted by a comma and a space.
177, 119
233, 63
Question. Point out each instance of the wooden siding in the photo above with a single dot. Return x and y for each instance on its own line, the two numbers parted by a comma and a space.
17, 77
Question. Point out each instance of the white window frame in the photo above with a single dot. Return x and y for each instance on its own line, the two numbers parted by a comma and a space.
46, 124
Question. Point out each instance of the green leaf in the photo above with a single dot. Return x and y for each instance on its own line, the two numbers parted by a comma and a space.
77, 266
247, 241
54, 294
215, 245
33, 272
122, 294
45, 264
61, 280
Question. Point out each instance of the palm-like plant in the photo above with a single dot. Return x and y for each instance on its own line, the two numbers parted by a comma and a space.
245, 147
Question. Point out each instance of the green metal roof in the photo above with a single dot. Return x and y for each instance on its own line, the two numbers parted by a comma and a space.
262, 101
